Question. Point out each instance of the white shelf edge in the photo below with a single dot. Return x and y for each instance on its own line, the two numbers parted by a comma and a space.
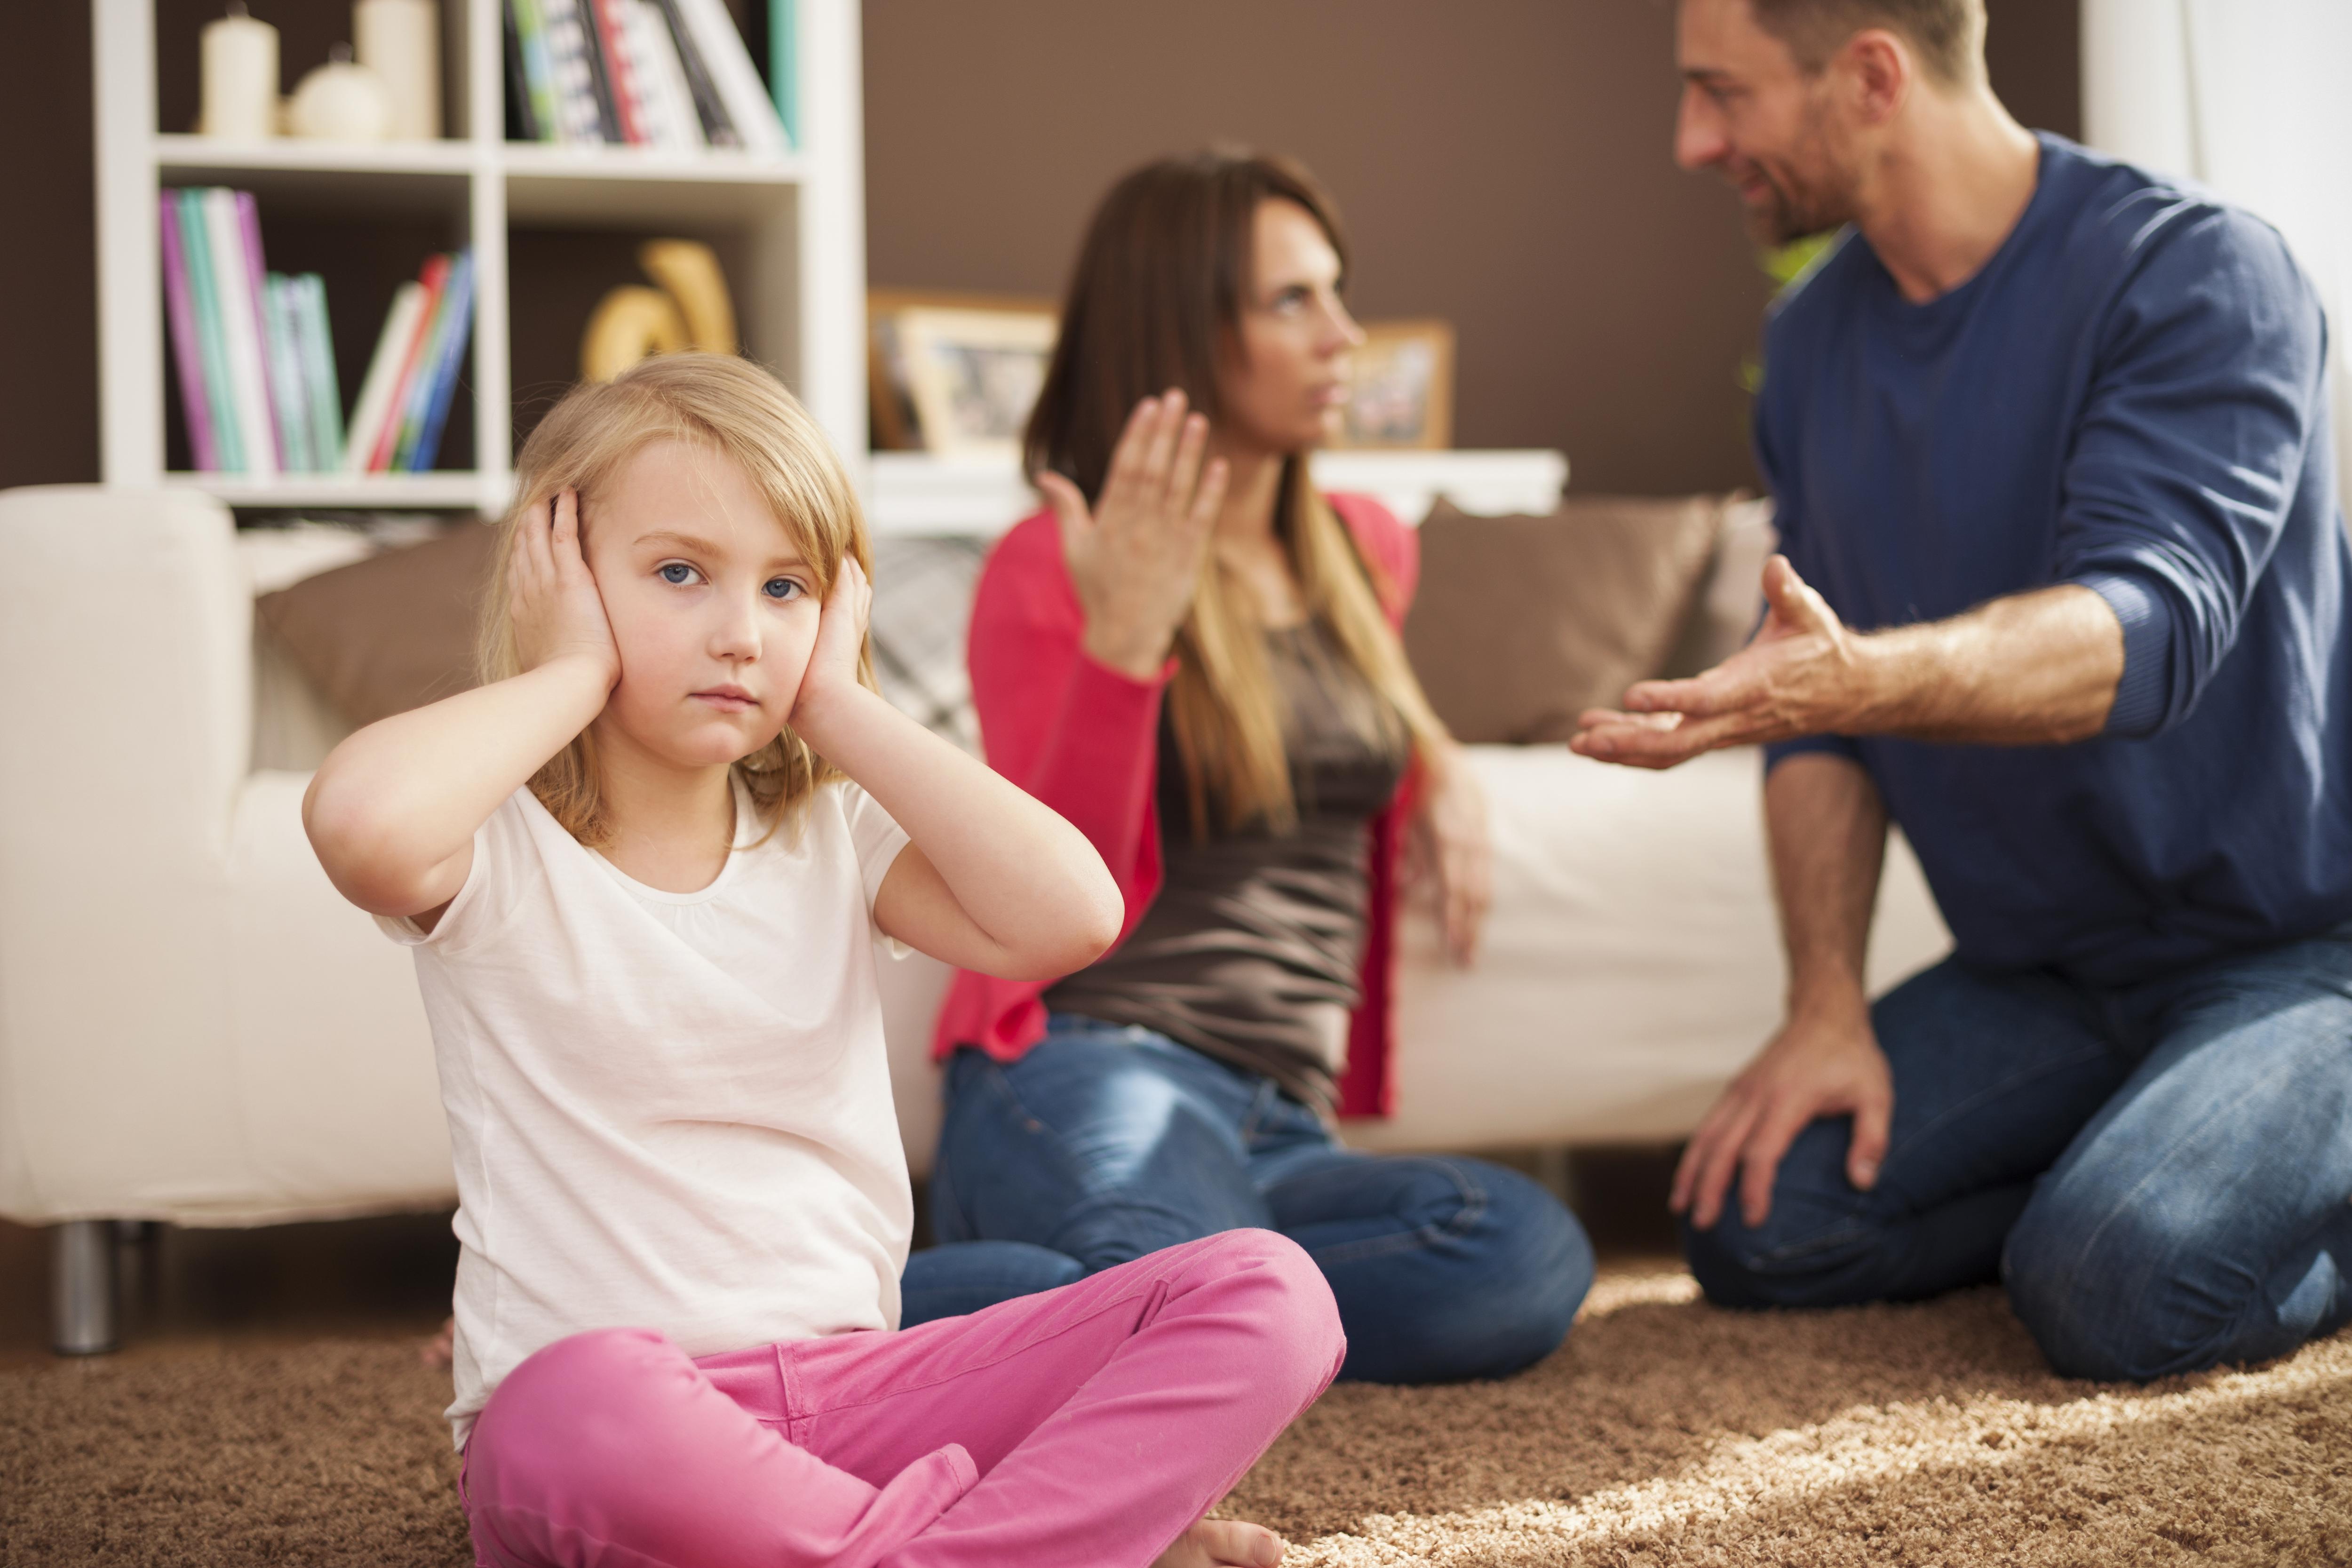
443, 157
454, 157
437, 489
536, 159
915, 494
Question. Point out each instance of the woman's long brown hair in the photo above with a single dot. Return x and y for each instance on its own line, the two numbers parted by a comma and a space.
1162, 279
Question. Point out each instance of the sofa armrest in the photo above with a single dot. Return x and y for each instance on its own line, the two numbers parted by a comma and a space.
125, 696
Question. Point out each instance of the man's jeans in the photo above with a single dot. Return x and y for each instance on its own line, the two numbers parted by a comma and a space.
1104, 1144
2160, 1173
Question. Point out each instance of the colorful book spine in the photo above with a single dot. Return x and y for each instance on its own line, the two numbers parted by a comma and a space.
668, 103
318, 349
435, 274
600, 78
539, 74
708, 106
748, 108
578, 118
240, 331
457, 314
522, 123
366, 426
289, 398
612, 47
180, 305
784, 65
212, 343
248, 233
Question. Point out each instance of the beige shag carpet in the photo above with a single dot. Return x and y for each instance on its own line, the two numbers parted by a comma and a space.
1666, 1432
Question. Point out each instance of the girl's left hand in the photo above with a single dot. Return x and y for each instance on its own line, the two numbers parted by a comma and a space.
1452, 843
840, 640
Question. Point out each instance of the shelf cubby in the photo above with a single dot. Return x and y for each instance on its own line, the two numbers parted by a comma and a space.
789, 231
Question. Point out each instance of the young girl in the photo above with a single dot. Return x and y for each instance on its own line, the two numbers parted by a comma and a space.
643, 868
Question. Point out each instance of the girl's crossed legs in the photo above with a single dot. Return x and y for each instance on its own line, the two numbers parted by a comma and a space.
1092, 1425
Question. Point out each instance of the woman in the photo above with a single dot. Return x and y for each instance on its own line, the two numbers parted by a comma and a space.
1194, 656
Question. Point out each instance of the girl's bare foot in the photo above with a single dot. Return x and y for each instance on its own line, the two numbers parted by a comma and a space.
442, 1349
1222, 1543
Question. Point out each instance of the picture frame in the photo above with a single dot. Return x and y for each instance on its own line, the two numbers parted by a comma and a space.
955, 373
1400, 391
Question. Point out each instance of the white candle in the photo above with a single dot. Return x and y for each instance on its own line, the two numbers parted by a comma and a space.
240, 77
400, 41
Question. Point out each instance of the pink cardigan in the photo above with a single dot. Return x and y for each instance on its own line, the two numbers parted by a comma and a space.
1084, 739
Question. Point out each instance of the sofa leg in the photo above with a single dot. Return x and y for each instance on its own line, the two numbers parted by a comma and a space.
81, 1285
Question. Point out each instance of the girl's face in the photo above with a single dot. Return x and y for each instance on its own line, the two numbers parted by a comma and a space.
1284, 387
713, 609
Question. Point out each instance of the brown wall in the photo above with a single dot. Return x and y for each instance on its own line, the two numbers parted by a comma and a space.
1505, 163
1508, 171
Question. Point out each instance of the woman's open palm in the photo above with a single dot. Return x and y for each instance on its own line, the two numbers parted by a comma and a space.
1135, 557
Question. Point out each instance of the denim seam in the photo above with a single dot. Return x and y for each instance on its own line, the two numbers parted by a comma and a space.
1474, 1208
1977, 1100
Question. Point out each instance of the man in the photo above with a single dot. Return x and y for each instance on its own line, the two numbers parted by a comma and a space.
2063, 594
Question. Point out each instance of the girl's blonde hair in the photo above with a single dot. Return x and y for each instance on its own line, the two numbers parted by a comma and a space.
723, 405
1155, 302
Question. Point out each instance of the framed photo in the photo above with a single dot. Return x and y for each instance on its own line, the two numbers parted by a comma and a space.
1402, 393
955, 374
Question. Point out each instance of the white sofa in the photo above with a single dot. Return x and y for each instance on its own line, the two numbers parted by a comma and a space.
193, 1027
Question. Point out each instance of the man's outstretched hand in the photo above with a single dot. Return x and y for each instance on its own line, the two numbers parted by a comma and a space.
1802, 674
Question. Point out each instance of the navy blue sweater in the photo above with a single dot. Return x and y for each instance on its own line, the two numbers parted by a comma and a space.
2130, 396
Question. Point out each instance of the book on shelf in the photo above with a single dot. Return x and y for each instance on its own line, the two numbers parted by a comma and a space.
180, 308
620, 77
233, 294
648, 73
439, 352
384, 369
255, 355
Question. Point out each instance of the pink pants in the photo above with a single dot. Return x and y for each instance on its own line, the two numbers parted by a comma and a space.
1087, 1425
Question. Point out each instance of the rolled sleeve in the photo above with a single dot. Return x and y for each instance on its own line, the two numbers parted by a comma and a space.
2188, 455
2144, 695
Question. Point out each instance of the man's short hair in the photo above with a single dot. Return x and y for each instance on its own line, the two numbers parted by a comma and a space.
1948, 34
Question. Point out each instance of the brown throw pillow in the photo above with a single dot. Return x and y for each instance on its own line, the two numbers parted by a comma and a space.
391, 632
1522, 623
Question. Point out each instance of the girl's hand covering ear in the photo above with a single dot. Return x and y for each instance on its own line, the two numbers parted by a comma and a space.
551, 597
840, 640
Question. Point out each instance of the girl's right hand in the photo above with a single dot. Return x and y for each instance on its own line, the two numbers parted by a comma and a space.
1136, 559
553, 600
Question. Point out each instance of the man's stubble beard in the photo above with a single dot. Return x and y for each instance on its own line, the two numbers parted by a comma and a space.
1802, 205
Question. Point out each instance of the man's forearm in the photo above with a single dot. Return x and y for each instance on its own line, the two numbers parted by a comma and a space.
1827, 829
2032, 669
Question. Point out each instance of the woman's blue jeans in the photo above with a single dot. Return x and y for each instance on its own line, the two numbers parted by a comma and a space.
2161, 1172
1104, 1144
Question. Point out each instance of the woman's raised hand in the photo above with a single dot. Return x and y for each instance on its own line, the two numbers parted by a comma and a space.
553, 600
1136, 557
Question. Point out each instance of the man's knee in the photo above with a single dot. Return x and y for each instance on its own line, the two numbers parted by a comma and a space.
1818, 1246
2112, 1291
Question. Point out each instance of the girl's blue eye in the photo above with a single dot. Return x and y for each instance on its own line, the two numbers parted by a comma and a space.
782, 589
676, 572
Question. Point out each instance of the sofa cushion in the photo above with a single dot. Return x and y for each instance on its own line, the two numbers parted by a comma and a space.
390, 633
1522, 623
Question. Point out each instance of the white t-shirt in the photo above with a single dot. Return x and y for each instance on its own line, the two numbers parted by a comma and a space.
667, 1110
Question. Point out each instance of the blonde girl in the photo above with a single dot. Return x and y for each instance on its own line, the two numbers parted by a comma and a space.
646, 869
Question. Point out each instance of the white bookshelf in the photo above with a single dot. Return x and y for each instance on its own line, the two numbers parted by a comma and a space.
796, 222
915, 494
